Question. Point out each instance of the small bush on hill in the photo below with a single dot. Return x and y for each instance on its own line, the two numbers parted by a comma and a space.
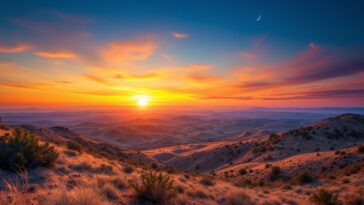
128, 169
74, 146
274, 138
361, 149
275, 173
23, 150
105, 169
242, 171
325, 197
207, 181
355, 199
155, 188
110, 192
303, 177
244, 182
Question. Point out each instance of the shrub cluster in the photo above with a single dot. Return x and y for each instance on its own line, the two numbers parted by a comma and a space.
74, 146
303, 177
325, 197
275, 173
23, 150
155, 188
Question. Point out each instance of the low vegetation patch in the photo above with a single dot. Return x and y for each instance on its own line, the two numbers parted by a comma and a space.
275, 173
207, 181
239, 198
23, 150
155, 188
303, 177
244, 182
77, 196
361, 149
325, 197
74, 146
128, 169
242, 171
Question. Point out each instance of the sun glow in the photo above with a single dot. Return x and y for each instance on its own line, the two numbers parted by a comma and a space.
142, 100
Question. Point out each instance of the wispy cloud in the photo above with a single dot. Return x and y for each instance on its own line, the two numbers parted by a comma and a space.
95, 78
56, 54
199, 67
17, 48
124, 52
247, 55
179, 35
321, 94
138, 77
312, 66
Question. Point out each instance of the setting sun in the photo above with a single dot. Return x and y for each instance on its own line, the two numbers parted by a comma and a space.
142, 100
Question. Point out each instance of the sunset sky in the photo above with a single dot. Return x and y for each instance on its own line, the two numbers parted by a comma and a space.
182, 53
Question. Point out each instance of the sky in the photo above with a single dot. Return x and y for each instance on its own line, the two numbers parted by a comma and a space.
182, 53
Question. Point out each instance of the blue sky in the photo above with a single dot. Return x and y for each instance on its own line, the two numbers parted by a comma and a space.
237, 40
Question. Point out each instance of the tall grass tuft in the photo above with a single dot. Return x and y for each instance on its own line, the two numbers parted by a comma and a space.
155, 188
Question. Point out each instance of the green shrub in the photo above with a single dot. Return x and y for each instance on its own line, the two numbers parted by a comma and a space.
23, 150
74, 146
303, 177
325, 197
155, 188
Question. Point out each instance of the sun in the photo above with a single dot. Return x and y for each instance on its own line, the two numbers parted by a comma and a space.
142, 100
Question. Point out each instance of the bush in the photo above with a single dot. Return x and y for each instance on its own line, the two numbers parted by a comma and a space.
110, 192
128, 169
156, 188
118, 183
325, 197
361, 149
275, 173
74, 146
304, 177
242, 171
23, 150
244, 182
207, 181
355, 199
105, 169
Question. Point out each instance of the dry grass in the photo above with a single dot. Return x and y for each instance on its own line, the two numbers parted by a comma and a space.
239, 198
77, 196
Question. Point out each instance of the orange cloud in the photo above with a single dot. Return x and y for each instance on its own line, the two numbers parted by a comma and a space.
17, 48
199, 67
179, 35
123, 52
57, 54
138, 77
95, 78
202, 78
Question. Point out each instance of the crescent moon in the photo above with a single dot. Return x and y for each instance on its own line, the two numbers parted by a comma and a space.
259, 18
